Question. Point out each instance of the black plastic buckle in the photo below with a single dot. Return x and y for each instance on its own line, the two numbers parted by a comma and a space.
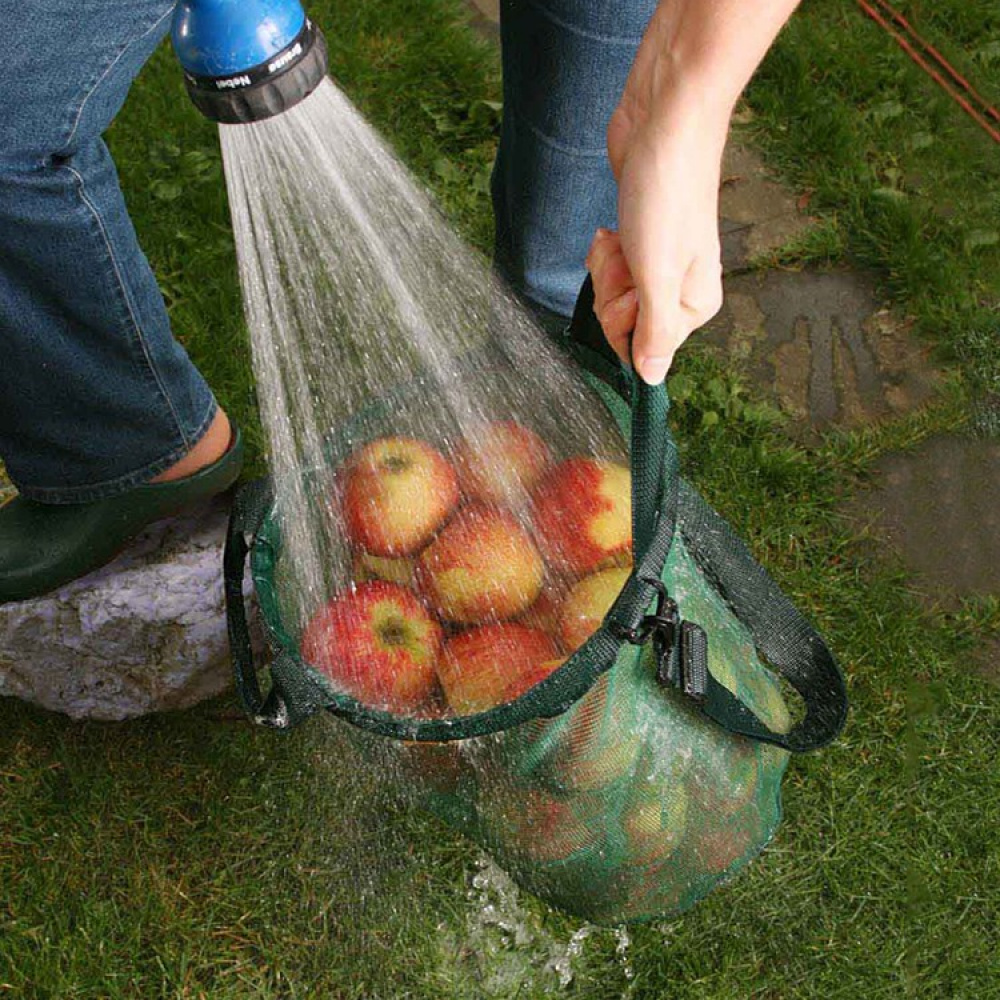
680, 647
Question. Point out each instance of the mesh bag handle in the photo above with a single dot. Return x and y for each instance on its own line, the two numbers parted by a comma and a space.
292, 696
781, 634
643, 612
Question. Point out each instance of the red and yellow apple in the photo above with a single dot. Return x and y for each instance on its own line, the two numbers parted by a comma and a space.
438, 767
531, 824
544, 613
494, 664
654, 822
596, 745
582, 512
726, 783
587, 603
717, 850
396, 492
501, 463
482, 567
380, 645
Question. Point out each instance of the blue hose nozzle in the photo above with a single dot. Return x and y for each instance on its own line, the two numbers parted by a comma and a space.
247, 60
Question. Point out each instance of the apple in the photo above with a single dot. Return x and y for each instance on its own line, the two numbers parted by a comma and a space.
380, 645
482, 567
586, 605
501, 464
494, 664
655, 822
396, 492
393, 570
656, 890
595, 745
437, 767
531, 824
582, 512
728, 780
544, 613
718, 850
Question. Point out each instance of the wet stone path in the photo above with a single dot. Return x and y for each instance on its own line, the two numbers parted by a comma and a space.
822, 347
938, 506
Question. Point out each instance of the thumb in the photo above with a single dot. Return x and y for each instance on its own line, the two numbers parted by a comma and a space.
659, 331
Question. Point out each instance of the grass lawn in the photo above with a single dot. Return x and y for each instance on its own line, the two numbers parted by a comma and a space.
194, 856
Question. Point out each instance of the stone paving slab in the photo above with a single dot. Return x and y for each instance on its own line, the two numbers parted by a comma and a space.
758, 216
822, 346
937, 509
486, 17
490, 9
147, 633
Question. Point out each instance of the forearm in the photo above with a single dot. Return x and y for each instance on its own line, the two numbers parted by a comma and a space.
698, 55
659, 277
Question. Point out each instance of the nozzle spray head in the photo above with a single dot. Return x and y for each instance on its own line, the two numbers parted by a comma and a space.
247, 60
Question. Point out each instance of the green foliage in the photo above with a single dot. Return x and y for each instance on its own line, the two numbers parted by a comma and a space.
720, 400
978, 350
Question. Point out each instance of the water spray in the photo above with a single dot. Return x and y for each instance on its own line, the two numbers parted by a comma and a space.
247, 60
445, 549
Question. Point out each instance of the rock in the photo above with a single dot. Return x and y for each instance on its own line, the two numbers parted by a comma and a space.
147, 633
486, 18
490, 9
759, 216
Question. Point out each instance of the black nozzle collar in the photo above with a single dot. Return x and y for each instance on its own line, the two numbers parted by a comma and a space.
265, 90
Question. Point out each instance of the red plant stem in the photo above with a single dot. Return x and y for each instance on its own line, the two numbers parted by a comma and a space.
896, 16
935, 75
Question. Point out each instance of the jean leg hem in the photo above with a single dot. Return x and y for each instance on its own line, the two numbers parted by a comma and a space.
536, 301
122, 484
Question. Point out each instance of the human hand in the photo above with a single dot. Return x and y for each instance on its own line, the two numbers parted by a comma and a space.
661, 274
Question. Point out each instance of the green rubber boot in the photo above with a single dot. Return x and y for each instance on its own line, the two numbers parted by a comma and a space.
43, 546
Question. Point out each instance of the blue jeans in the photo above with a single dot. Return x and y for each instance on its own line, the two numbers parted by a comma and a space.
95, 394
565, 63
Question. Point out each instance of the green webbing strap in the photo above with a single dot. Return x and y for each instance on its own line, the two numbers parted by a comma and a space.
292, 696
781, 634
654, 454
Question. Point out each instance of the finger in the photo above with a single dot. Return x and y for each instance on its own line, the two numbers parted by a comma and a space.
611, 281
615, 299
618, 320
608, 268
605, 241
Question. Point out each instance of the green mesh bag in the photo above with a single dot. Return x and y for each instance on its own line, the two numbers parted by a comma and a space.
645, 769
